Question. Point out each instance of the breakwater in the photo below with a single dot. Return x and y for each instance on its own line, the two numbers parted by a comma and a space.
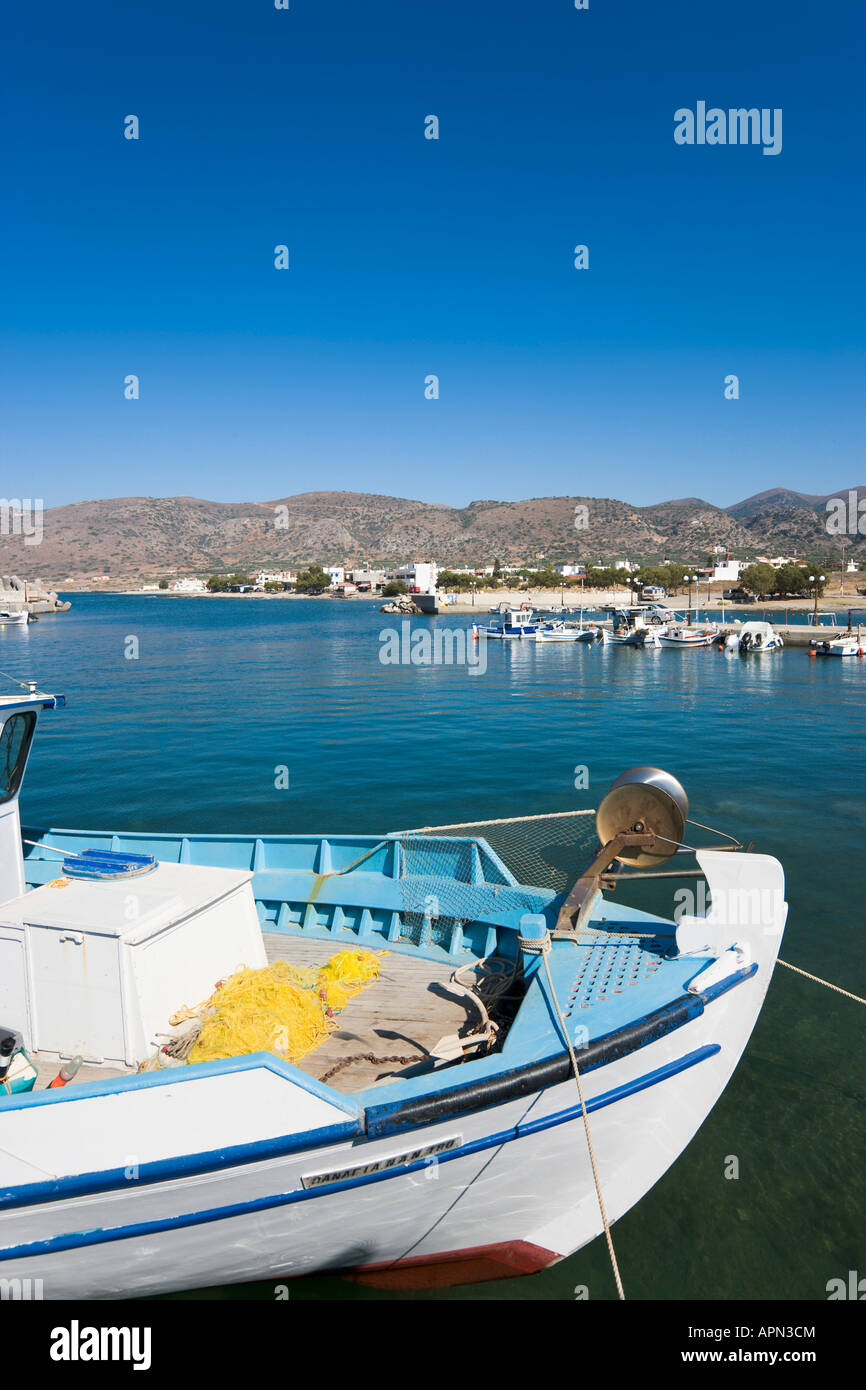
34, 595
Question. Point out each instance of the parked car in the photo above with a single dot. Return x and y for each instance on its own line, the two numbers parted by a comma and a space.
653, 613
738, 596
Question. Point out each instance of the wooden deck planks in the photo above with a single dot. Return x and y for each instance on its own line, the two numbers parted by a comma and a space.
397, 1016
47, 1069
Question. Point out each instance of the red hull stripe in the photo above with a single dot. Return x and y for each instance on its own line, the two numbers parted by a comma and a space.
471, 1266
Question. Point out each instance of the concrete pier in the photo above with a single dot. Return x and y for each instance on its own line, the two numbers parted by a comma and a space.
803, 635
33, 595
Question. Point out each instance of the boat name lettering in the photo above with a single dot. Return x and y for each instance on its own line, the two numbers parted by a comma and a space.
378, 1165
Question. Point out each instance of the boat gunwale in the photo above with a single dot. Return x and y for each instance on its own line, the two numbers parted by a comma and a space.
407, 1114
36, 1196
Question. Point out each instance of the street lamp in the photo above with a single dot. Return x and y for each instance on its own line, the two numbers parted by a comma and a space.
815, 582
687, 579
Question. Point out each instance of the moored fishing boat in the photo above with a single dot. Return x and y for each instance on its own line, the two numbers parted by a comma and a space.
849, 645
514, 622
558, 632
633, 627
14, 617
404, 1170
686, 636
756, 637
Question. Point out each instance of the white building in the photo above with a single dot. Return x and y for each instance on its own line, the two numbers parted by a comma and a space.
189, 586
628, 565
726, 571
337, 574
777, 561
421, 576
275, 577
571, 571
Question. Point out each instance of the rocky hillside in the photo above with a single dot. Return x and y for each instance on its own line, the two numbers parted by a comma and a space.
134, 539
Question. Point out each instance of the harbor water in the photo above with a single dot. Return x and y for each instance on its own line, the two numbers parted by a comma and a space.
240, 715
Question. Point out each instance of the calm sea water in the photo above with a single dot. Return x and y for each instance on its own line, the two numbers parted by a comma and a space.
188, 735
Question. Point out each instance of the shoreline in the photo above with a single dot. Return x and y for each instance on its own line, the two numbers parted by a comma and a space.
590, 600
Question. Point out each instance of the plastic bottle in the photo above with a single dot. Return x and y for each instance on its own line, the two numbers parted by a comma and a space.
66, 1073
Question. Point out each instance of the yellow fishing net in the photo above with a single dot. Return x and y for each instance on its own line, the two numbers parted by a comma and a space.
283, 1008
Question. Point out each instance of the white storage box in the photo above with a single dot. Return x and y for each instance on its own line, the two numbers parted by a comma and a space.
97, 967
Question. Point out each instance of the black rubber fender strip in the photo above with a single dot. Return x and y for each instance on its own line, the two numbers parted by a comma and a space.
536, 1076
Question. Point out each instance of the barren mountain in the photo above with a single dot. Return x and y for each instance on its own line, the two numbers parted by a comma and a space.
132, 539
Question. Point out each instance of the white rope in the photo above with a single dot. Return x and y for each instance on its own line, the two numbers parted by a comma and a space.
542, 947
506, 820
818, 981
25, 685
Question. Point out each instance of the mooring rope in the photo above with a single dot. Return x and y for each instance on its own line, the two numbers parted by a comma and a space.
506, 820
819, 981
25, 685
542, 946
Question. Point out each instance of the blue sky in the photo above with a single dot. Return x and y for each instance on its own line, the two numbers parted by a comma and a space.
411, 256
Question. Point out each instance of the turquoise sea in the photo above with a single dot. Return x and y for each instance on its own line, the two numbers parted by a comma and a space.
188, 734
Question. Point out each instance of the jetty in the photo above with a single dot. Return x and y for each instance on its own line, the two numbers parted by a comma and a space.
804, 635
33, 595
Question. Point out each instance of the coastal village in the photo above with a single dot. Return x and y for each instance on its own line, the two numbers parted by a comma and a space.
428, 586
345, 545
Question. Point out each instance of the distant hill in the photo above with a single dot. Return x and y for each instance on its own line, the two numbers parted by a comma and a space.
793, 521
774, 498
134, 539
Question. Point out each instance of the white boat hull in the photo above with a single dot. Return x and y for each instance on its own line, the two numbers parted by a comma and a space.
635, 637
701, 639
569, 634
514, 1193
507, 634
493, 1197
841, 647
757, 637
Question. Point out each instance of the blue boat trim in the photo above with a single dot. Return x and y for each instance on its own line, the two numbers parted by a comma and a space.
77, 1240
746, 973
184, 1166
184, 1075
347, 888
391, 1119
394, 1117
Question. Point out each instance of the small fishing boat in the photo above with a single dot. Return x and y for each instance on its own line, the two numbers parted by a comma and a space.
517, 1062
839, 646
15, 617
513, 622
633, 627
685, 636
558, 632
755, 637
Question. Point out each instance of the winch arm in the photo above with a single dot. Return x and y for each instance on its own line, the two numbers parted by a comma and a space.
578, 905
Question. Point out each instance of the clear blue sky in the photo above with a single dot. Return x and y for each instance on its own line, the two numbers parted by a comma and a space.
411, 257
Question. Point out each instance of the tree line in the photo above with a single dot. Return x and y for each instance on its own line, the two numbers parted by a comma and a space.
759, 579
